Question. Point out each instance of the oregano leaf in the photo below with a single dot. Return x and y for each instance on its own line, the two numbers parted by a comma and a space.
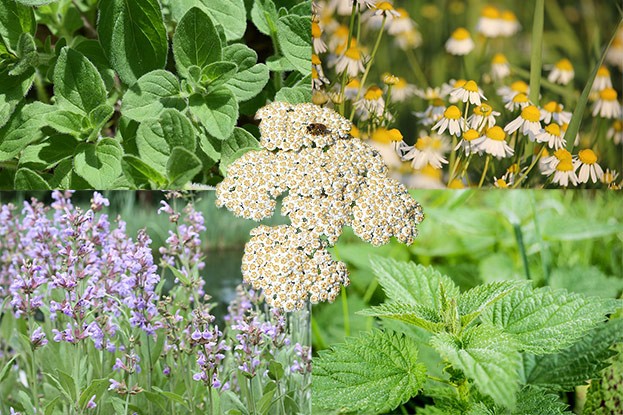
152, 93
183, 165
217, 112
196, 41
293, 34
99, 163
27, 179
15, 19
78, 85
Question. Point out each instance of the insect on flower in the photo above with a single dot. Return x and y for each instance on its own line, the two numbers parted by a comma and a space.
318, 129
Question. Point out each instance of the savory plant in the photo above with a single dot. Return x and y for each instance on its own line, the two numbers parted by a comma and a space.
87, 326
114, 107
502, 347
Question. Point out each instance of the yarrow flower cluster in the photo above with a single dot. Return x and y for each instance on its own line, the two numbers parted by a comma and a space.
331, 181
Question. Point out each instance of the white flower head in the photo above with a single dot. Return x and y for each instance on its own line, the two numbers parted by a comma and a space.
527, 122
460, 43
586, 161
494, 143
562, 72
452, 120
469, 91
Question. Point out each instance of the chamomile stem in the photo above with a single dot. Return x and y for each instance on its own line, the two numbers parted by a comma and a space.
536, 58
367, 71
484, 172
525, 174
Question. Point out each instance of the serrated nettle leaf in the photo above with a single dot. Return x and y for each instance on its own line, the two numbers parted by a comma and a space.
488, 357
196, 41
218, 73
264, 16
26, 179
67, 122
295, 42
15, 19
27, 54
49, 153
99, 164
533, 400
151, 94
474, 301
240, 142
372, 373
217, 112
23, 128
156, 138
133, 36
411, 283
12, 90
579, 363
78, 85
545, 320
586, 280
414, 314
183, 165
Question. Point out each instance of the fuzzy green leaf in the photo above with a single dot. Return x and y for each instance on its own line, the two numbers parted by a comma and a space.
251, 77
473, 302
196, 41
183, 165
78, 85
230, 14
151, 94
99, 164
586, 280
23, 128
67, 122
35, 2
264, 16
375, 372
294, 95
133, 36
581, 362
217, 112
15, 19
156, 138
12, 90
48, 153
240, 142
533, 400
218, 73
28, 56
414, 314
411, 283
140, 174
293, 34
546, 320
486, 355
26, 179
93, 51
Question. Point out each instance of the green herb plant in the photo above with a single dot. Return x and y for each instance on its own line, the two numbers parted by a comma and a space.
502, 347
141, 94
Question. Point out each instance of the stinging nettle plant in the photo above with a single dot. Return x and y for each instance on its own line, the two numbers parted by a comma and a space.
499, 348
92, 96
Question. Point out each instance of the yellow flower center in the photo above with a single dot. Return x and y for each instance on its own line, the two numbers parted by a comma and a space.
513, 168
460, 34
553, 129
608, 176
501, 183
562, 154
316, 32
470, 135
403, 13
499, 59
401, 83
483, 110
353, 53
452, 112
521, 97
587, 156
437, 102
341, 32
496, 133
456, 184
373, 93
564, 65
531, 113
520, 86
383, 135
423, 143
395, 135
315, 59
617, 125
314, 73
354, 83
470, 86
459, 83
603, 71
490, 12
431, 171
509, 16
385, 6
552, 106
354, 132
565, 165
608, 94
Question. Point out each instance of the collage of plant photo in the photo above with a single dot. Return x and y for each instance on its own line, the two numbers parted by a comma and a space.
297, 207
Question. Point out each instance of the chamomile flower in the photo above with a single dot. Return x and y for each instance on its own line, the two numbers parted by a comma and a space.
507, 93
519, 101
609, 177
468, 92
500, 68
565, 173
471, 142
452, 121
318, 77
456, 184
366, 3
552, 135
607, 106
562, 73
410, 39
483, 116
427, 177
339, 39
401, 24
509, 25
602, 80
402, 90
352, 88
554, 111
460, 43
500, 183
614, 55
494, 143
615, 132
548, 163
428, 149
317, 42
489, 22
527, 122
371, 104
586, 160
433, 113
386, 9
350, 62
564, 127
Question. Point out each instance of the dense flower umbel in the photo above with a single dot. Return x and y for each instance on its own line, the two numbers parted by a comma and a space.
332, 181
